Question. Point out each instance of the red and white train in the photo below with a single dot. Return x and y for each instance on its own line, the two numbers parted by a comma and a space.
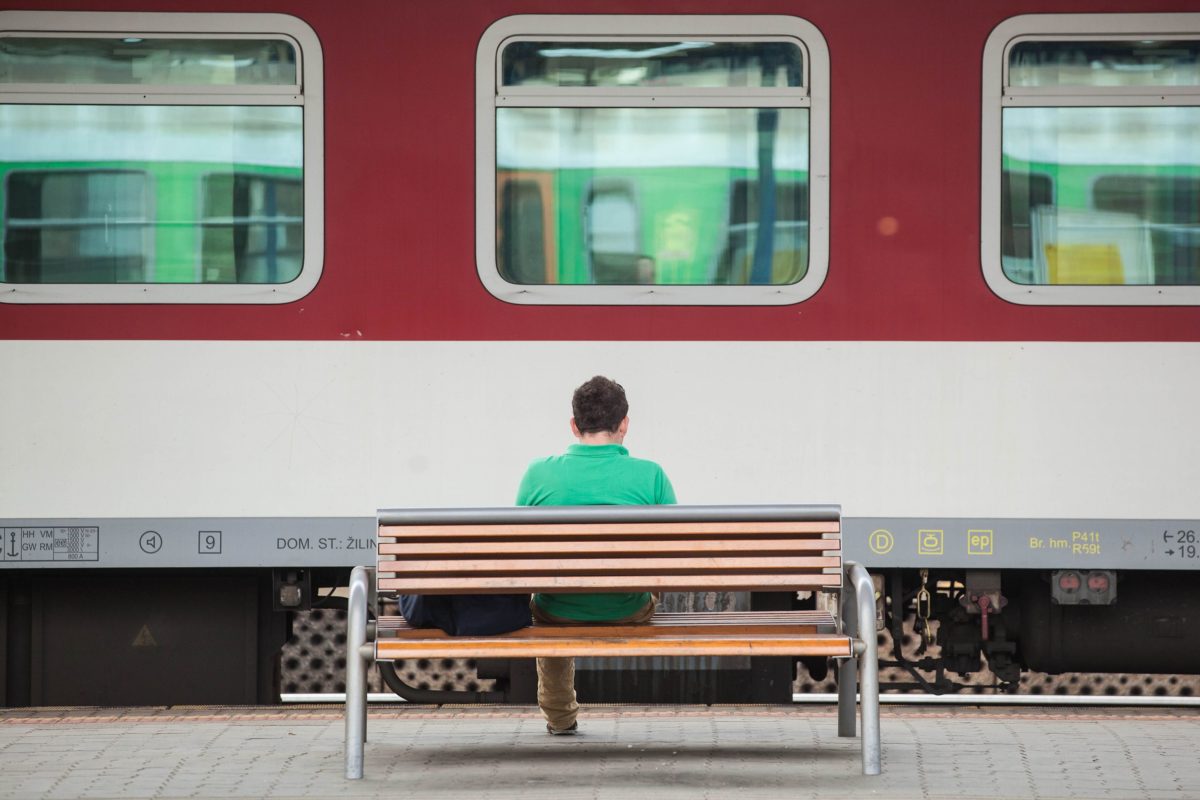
935, 262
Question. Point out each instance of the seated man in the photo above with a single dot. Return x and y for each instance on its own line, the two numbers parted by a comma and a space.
596, 471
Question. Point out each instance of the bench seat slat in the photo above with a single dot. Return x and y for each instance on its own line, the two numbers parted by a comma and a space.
608, 566
533, 530
724, 623
460, 549
597, 644
607, 583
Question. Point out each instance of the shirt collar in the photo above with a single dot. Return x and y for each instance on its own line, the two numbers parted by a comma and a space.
597, 450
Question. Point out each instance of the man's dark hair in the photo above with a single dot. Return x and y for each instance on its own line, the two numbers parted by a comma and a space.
599, 405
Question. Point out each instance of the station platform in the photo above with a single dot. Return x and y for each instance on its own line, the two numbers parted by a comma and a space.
657, 752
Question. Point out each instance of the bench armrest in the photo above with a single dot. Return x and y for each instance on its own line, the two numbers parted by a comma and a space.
858, 619
360, 634
362, 605
858, 608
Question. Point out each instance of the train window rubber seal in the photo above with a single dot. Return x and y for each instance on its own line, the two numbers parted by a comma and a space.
492, 95
999, 94
306, 94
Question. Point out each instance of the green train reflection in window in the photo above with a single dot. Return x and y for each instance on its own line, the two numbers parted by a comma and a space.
622, 193
1106, 193
150, 191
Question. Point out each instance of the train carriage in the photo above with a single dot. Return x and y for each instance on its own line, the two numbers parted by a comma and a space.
264, 272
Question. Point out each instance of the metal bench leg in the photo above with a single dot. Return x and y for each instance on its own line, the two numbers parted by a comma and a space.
868, 672
847, 685
356, 671
847, 675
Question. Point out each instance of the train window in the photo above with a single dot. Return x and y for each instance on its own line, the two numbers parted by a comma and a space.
1169, 61
159, 158
1091, 151
152, 61
709, 64
629, 164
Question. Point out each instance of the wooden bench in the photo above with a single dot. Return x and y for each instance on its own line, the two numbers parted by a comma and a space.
621, 549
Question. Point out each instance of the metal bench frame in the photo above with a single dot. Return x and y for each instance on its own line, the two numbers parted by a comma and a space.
855, 619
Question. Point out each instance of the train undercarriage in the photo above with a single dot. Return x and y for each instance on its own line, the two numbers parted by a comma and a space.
951, 624
942, 631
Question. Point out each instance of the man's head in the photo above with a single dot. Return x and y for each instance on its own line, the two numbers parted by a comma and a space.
599, 406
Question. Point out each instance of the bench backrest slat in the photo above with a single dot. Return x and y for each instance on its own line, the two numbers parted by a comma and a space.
630, 529
454, 549
465, 567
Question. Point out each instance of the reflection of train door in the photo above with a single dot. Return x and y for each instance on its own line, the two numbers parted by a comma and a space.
612, 234
786, 258
526, 246
78, 226
1167, 208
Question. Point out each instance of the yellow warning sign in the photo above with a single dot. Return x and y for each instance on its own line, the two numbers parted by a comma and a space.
145, 638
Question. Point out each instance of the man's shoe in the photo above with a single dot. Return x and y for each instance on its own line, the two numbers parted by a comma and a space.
571, 731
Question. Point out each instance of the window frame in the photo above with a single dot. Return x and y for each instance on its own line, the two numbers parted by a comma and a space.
997, 95
307, 94
490, 95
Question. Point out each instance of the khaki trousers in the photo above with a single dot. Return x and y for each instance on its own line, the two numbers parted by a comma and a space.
556, 676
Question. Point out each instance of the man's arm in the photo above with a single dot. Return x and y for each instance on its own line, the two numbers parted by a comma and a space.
524, 490
528, 493
665, 493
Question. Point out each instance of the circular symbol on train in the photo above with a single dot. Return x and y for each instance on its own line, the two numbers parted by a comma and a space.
881, 542
150, 542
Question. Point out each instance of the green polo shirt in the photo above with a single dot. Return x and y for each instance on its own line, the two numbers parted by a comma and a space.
594, 474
